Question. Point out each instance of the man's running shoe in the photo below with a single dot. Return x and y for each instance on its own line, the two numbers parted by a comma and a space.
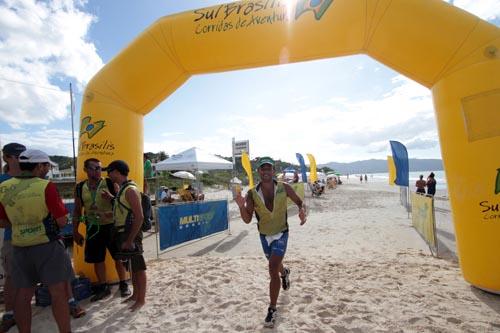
270, 318
285, 279
101, 293
124, 289
8, 321
76, 310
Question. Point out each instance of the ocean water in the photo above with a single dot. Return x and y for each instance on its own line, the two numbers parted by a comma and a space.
414, 176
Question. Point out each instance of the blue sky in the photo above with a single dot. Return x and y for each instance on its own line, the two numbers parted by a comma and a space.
342, 109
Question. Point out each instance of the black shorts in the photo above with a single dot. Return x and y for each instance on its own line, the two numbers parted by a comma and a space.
95, 247
136, 258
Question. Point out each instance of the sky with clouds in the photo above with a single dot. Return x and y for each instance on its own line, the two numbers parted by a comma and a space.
342, 109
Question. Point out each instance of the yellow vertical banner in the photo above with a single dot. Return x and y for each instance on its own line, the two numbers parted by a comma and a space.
392, 170
245, 162
422, 216
312, 166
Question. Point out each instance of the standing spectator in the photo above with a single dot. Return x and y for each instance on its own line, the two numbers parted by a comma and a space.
128, 218
431, 184
11, 152
32, 206
148, 172
420, 184
360, 178
366, 178
93, 197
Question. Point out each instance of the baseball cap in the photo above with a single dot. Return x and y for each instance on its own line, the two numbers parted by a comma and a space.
265, 160
119, 165
13, 149
34, 156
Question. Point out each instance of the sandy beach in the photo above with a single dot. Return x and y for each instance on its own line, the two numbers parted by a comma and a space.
357, 265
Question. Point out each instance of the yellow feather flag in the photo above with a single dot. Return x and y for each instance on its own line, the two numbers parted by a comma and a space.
392, 170
312, 165
245, 161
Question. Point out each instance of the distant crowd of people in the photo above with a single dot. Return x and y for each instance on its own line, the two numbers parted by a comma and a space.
430, 183
32, 213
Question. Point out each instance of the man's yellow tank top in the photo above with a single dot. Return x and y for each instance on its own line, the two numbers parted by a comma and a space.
95, 206
24, 202
271, 223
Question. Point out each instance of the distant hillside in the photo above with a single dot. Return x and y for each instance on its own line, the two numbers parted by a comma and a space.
378, 166
64, 162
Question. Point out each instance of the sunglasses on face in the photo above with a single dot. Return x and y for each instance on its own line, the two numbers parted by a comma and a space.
97, 168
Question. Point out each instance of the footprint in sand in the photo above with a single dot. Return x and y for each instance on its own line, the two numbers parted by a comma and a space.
453, 320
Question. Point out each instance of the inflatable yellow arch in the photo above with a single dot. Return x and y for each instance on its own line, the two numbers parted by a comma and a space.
450, 51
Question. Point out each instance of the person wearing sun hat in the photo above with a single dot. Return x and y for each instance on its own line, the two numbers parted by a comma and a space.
269, 202
34, 209
10, 155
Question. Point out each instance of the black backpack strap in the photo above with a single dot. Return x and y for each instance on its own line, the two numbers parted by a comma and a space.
119, 194
79, 190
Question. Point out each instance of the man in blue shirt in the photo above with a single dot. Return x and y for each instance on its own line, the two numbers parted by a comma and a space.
10, 152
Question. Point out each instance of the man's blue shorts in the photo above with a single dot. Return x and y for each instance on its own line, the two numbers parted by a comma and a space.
277, 247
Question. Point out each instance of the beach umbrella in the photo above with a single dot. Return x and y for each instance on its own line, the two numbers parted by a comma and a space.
184, 175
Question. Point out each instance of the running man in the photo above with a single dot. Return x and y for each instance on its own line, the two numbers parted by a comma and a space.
127, 238
269, 201
92, 196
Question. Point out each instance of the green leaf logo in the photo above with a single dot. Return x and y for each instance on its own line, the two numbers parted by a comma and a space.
90, 128
318, 7
497, 186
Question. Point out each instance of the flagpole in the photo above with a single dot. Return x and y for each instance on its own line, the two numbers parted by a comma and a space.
72, 127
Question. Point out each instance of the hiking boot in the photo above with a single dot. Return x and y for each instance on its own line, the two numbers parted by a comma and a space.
76, 311
124, 289
285, 279
8, 321
101, 293
270, 318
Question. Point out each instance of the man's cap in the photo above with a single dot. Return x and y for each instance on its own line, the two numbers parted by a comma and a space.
119, 165
34, 156
13, 149
265, 160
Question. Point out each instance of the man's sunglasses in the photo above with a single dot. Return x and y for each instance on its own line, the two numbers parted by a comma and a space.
97, 168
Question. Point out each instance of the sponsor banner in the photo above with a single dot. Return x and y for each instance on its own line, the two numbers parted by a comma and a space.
312, 166
400, 157
245, 162
303, 169
423, 218
392, 170
180, 223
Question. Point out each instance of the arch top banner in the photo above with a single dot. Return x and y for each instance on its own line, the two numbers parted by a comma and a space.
454, 53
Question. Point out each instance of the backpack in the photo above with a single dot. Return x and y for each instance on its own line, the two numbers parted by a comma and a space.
79, 188
147, 208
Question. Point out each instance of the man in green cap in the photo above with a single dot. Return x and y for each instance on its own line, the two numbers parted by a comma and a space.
269, 201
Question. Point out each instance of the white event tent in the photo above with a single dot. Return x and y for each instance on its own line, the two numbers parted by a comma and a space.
194, 159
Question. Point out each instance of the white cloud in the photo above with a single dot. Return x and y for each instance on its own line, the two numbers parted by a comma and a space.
40, 44
339, 130
51, 141
485, 9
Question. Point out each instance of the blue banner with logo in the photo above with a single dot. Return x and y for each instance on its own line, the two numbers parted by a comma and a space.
303, 169
180, 223
400, 157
